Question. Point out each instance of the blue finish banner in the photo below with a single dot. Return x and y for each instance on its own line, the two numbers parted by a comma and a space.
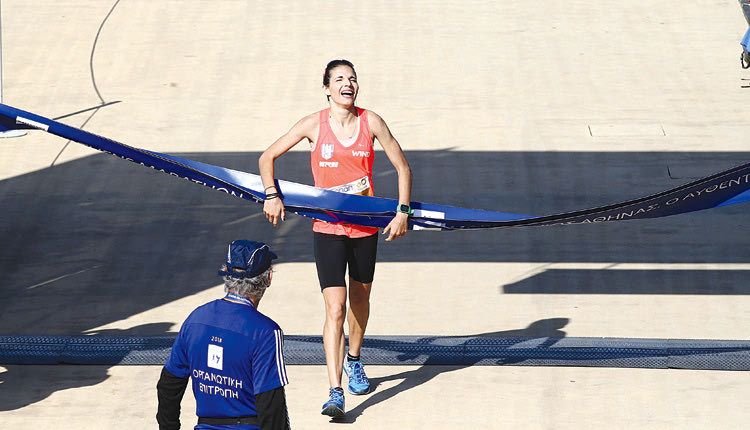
724, 188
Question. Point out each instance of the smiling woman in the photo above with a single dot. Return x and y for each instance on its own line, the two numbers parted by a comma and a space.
341, 141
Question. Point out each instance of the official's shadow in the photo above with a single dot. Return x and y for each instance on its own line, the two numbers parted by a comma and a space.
549, 329
22, 385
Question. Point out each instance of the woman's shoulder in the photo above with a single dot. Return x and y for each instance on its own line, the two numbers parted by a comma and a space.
316, 116
309, 122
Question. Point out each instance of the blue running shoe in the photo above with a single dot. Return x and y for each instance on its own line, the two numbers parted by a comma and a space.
358, 382
334, 407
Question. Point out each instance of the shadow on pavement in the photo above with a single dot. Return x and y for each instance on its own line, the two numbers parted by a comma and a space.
98, 239
434, 366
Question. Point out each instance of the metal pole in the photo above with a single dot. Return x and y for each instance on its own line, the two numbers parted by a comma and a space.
1, 52
8, 133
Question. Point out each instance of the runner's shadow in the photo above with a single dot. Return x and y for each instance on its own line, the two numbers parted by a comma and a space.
434, 364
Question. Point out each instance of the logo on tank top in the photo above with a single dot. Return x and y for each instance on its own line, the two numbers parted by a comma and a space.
326, 151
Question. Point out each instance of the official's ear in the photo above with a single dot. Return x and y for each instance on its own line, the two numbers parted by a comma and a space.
270, 275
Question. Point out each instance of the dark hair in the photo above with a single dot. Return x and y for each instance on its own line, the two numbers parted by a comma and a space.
332, 65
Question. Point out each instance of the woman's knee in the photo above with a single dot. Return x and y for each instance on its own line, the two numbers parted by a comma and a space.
359, 294
336, 313
335, 300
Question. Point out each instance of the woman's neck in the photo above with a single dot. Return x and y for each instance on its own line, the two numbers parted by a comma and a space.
343, 114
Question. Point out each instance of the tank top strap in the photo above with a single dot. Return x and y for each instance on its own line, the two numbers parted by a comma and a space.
323, 115
323, 127
364, 123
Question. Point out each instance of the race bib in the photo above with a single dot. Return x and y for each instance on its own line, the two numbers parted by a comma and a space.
359, 186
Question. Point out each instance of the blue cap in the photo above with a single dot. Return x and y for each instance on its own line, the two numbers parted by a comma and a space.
252, 257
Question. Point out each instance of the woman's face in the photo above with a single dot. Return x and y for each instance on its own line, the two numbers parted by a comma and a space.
343, 86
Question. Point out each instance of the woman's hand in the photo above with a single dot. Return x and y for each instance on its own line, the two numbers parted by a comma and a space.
273, 209
397, 227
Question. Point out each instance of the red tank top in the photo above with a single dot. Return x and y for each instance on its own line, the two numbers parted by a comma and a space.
345, 167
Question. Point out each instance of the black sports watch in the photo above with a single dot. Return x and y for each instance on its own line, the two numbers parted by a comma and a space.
405, 209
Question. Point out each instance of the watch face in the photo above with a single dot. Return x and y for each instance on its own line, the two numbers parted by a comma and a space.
404, 208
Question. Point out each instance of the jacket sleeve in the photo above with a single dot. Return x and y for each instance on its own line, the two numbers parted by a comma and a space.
170, 390
272, 412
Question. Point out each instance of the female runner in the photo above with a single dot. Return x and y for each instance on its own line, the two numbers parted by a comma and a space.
341, 156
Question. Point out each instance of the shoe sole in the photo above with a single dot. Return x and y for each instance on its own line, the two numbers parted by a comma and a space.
333, 411
361, 393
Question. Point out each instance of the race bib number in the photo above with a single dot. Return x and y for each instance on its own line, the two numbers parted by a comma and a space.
215, 356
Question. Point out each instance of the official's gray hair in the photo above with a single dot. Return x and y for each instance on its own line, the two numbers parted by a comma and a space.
248, 287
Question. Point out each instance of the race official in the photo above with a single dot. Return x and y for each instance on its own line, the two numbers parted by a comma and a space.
232, 352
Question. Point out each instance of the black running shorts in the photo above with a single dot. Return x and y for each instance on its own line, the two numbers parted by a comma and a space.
333, 253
